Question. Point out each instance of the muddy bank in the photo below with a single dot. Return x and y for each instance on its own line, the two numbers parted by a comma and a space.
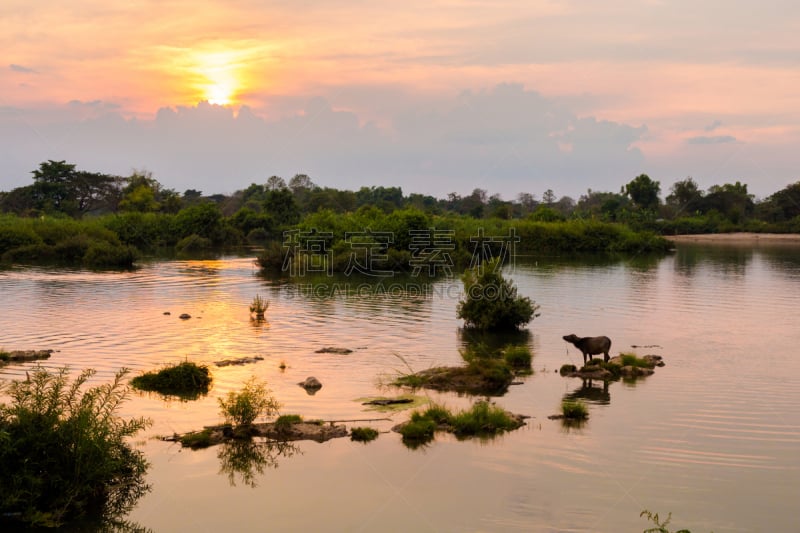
737, 238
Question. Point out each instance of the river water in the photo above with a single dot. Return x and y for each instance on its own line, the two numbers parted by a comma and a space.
713, 437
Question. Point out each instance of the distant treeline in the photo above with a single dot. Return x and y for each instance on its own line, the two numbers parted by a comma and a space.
115, 217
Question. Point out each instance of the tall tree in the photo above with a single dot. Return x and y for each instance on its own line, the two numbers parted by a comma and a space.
685, 195
643, 192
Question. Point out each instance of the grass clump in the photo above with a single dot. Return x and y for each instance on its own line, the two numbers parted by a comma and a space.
65, 452
259, 306
185, 379
284, 422
418, 431
567, 369
254, 400
483, 419
518, 358
630, 359
363, 434
197, 439
574, 410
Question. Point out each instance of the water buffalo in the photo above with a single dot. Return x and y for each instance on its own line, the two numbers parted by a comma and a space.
590, 345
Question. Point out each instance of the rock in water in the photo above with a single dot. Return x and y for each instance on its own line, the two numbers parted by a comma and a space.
311, 383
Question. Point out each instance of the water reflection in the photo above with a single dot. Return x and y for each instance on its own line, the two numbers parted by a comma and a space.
491, 343
592, 391
245, 460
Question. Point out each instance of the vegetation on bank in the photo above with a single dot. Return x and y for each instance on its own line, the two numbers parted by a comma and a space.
77, 217
186, 380
64, 451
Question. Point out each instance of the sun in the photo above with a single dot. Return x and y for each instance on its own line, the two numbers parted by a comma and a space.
218, 76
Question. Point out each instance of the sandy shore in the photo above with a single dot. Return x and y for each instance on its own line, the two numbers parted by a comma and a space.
738, 238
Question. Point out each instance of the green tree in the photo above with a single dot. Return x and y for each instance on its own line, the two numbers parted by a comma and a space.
204, 219
782, 205
491, 302
731, 200
643, 192
685, 196
280, 204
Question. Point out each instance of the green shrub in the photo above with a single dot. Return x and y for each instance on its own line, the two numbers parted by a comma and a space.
15, 236
193, 243
104, 254
574, 410
491, 302
363, 434
64, 452
242, 408
257, 235
31, 253
184, 379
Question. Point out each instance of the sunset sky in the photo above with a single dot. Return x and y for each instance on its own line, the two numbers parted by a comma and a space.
436, 96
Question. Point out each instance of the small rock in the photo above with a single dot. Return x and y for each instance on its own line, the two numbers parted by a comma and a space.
333, 349
185, 316
240, 361
167, 313
311, 383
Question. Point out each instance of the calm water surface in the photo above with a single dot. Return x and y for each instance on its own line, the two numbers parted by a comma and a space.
713, 437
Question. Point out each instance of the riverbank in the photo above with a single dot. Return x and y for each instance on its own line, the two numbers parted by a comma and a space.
737, 238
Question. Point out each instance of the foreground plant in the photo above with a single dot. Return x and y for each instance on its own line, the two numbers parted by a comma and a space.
64, 453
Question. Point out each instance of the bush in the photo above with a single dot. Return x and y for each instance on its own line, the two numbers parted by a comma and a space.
77, 440
185, 379
491, 302
242, 408
192, 243
13, 237
104, 254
